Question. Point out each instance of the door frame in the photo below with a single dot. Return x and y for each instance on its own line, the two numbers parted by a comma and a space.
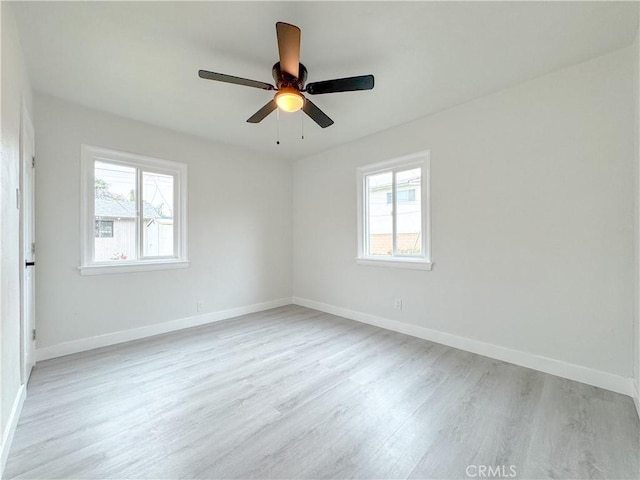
26, 170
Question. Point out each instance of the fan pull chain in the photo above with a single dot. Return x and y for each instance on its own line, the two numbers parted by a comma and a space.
278, 126
302, 124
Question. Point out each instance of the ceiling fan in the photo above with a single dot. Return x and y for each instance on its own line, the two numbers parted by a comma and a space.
290, 76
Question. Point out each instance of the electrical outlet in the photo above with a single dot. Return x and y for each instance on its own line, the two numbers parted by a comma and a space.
398, 304
200, 305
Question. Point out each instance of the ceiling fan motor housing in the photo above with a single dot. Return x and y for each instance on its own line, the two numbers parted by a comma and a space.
284, 80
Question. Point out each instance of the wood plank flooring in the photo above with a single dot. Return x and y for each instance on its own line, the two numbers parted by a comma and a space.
296, 393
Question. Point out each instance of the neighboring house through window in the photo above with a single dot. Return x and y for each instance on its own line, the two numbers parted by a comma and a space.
104, 228
394, 213
137, 209
403, 195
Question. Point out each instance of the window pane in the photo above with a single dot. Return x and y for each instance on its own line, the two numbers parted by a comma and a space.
115, 212
379, 214
157, 224
409, 217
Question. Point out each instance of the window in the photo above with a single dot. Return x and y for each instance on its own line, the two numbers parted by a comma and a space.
393, 213
133, 211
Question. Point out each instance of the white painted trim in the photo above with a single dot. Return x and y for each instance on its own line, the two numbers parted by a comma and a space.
26, 170
179, 171
419, 159
395, 262
12, 423
131, 267
122, 336
571, 371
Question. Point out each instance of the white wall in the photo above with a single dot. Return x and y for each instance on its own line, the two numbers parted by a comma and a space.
239, 217
533, 215
15, 89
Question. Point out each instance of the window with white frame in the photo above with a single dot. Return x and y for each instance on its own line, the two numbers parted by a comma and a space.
394, 213
133, 212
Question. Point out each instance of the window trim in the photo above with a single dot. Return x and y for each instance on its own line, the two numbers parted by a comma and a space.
89, 155
422, 262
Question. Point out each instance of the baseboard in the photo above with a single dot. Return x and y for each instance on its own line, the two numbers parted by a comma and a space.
98, 341
571, 371
12, 423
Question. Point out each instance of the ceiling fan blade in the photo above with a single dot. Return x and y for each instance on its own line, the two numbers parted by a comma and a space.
289, 47
263, 112
350, 84
221, 77
316, 114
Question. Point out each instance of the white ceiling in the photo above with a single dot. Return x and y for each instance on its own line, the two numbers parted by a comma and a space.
140, 60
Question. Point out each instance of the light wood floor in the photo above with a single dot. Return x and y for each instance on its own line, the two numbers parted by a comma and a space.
295, 393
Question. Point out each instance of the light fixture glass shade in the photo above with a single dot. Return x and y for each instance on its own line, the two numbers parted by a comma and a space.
289, 100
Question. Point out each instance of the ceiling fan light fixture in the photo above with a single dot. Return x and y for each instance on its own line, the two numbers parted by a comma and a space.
289, 100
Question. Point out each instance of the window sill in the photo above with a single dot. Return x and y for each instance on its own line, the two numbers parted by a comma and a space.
132, 267
395, 262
